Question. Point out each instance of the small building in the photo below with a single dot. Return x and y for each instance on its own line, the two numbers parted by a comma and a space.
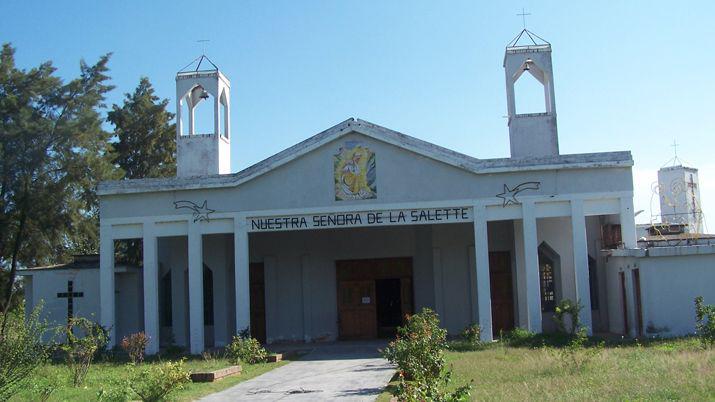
343, 234
67, 290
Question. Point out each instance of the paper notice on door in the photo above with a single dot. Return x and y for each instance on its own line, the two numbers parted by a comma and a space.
365, 300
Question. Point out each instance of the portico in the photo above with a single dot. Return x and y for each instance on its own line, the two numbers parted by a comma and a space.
521, 219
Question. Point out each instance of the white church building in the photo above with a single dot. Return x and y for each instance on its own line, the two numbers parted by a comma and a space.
341, 235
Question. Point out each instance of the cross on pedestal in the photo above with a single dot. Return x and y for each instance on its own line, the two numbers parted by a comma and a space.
70, 295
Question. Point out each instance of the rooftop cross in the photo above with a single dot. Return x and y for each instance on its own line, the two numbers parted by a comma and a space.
523, 15
203, 44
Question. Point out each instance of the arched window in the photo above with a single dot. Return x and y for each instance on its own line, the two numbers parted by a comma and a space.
549, 261
208, 296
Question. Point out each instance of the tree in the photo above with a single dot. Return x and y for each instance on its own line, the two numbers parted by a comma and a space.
146, 146
53, 152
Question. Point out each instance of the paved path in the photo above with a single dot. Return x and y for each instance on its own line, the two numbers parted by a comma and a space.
344, 371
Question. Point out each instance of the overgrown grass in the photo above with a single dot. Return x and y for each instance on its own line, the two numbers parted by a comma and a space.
103, 373
622, 370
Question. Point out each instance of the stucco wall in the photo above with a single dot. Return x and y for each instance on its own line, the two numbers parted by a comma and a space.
668, 287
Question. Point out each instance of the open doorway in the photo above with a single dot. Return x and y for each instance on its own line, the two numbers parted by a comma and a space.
389, 306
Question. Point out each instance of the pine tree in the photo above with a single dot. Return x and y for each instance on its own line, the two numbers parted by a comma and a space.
53, 152
146, 144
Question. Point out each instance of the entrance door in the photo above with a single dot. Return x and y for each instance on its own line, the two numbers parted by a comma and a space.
256, 280
357, 309
374, 296
622, 278
502, 292
639, 308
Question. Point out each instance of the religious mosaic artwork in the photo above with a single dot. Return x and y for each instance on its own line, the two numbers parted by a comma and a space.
354, 170
200, 212
508, 196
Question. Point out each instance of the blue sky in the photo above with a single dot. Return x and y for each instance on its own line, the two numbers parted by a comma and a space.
629, 75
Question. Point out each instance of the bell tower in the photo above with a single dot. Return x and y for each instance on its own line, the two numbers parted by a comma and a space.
202, 147
531, 134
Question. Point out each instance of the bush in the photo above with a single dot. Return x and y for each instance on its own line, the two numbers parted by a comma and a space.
155, 383
519, 337
42, 388
21, 349
247, 350
705, 322
418, 352
84, 339
575, 356
135, 346
472, 335
567, 308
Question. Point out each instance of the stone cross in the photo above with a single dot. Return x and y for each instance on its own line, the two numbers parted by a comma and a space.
70, 295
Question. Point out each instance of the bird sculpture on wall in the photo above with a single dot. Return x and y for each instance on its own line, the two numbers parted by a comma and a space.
509, 194
201, 212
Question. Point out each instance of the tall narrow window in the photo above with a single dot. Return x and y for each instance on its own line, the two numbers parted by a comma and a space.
208, 296
593, 282
166, 317
548, 265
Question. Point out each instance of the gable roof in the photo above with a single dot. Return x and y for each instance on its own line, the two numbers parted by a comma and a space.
351, 125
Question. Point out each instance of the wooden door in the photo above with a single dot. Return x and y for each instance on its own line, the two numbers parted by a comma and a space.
639, 308
357, 309
502, 292
622, 277
258, 301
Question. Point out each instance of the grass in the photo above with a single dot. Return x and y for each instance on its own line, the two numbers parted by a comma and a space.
655, 370
103, 373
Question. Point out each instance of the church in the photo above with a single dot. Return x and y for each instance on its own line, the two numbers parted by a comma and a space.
330, 240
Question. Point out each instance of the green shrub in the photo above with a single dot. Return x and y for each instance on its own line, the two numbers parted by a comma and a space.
472, 335
705, 322
155, 382
135, 345
42, 388
247, 350
115, 392
21, 349
84, 339
519, 337
418, 352
575, 356
567, 308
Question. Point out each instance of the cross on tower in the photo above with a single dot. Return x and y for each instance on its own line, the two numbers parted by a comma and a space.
203, 43
523, 17
675, 148
70, 295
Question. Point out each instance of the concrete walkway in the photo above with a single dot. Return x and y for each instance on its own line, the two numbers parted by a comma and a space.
347, 371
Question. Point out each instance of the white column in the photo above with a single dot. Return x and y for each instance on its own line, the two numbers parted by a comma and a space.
273, 313
531, 265
473, 302
151, 288
196, 289
628, 223
306, 293
106, 282
481, 253
580, 263
437, 280
242, 261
